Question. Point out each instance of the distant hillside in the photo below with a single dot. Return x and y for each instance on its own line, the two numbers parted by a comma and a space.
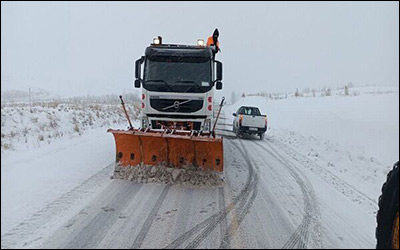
23, 96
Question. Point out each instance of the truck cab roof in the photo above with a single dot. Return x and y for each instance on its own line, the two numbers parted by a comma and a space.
167, 50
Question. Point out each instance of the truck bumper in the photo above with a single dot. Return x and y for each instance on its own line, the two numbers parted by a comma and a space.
246, 130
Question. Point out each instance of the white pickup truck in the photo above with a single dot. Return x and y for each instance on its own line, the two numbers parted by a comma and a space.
249, 120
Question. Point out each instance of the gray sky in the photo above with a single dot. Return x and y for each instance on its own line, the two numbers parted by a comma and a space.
90, 48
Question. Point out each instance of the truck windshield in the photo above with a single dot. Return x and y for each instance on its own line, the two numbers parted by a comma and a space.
178, 74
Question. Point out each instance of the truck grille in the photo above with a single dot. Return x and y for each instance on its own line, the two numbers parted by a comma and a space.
189, 107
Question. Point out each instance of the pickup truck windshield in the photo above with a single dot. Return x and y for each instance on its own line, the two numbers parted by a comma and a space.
249, 111
178, 74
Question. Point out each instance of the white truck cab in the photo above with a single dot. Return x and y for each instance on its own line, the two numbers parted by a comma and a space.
178, 83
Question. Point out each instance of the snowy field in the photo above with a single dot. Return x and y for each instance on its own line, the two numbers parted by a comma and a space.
355, 136
346, 146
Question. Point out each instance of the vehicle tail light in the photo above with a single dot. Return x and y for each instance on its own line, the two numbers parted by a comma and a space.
210, 99
142, 105
143, 96
210, 107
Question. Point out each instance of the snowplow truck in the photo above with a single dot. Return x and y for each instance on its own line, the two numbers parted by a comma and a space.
176, 143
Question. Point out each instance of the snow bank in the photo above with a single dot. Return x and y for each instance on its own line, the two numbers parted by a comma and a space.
24, 126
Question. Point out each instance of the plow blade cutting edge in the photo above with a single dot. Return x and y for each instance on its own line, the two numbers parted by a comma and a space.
170, 157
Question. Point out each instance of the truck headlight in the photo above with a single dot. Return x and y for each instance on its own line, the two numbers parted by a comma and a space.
145, 122
200, 42
157, 40
207, 125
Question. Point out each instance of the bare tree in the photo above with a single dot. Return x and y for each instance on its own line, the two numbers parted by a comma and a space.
328, 92
346, 90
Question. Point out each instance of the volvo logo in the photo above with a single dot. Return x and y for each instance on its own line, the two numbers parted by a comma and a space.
177, 104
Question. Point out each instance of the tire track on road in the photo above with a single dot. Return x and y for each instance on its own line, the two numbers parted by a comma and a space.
243, 207
333, 180
150, 219
300, 239
212, 222
238, 205
68, 200
94, 230
224, 224
226, 241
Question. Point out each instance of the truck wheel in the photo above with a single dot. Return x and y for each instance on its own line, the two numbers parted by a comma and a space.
387, 231
262, 136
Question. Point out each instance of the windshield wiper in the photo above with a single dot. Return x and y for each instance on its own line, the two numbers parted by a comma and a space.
185, 81
166, 84
192, 86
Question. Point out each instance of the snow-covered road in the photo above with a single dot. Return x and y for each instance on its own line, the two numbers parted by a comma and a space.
305, 186
273, 198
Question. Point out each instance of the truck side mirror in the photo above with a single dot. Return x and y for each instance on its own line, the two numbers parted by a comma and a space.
219, 71
137, 83
234, 114
138, 70
219, 85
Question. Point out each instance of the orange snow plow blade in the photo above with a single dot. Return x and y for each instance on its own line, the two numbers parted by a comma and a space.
184, 150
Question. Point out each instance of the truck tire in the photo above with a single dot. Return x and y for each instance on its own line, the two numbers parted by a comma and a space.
262, 136
387, 231
238, 133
